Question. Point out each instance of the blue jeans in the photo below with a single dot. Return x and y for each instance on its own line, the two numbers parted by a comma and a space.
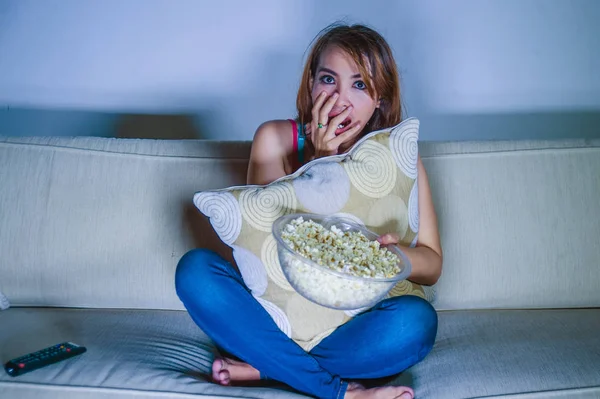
392, 336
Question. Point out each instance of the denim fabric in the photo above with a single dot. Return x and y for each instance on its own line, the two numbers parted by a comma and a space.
385, 340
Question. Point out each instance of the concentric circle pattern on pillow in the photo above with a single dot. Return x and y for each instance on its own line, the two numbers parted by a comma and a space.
375, 183
4, 303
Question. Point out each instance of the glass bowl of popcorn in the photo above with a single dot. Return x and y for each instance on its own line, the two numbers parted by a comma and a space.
335, 262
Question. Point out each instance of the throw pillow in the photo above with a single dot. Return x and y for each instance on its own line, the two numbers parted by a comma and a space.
375, 184
4, 303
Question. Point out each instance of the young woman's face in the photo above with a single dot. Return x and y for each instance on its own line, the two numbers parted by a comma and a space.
338, 73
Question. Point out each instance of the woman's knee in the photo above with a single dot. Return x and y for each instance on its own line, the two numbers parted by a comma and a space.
194, 270
416, 316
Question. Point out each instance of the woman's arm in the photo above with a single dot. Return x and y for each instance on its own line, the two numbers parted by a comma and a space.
266, 165
266, 155
426, 258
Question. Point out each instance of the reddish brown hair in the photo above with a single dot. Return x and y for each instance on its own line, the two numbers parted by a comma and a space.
372, 54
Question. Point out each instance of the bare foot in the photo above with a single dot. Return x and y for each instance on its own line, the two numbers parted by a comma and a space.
357, 391
227, 371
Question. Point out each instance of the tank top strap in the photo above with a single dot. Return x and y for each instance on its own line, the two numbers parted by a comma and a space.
298, 140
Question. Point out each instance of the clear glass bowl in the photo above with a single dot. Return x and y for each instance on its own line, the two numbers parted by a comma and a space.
328, 287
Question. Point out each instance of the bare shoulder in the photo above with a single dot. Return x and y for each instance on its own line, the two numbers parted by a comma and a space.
271, 144
273, 136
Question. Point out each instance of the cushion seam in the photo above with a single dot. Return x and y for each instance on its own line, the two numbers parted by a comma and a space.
79, 149
592, 388
100, 388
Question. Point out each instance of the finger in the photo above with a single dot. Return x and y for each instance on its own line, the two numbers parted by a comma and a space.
383, 239
320, 100
326, 109
353, 131
307, 133
317, 107
333, 123
389, 238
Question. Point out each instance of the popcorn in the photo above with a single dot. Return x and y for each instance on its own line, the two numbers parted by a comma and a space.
347, 252
330, 290
365, 265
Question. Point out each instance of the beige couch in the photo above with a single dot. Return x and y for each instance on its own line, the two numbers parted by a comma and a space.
91, 230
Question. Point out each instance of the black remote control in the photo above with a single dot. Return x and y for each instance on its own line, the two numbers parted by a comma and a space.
41, 358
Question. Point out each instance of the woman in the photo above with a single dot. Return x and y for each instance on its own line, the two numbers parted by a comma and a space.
349, 87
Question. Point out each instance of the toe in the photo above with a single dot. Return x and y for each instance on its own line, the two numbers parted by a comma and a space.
217, 365
355, 385
217, 368
224, 377
407, 394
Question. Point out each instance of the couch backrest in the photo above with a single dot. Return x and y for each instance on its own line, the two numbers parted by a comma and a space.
96, 222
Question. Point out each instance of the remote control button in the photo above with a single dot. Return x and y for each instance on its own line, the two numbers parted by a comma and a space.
21, 365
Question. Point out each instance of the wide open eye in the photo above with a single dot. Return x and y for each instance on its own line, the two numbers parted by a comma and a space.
327, 79
360, 85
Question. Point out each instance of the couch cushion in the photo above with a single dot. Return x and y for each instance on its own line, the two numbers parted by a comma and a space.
526, 353
92, 222
374, 184
146, 353
97, 222
519, 227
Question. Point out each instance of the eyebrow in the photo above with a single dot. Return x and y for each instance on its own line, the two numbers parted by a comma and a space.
323, 69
